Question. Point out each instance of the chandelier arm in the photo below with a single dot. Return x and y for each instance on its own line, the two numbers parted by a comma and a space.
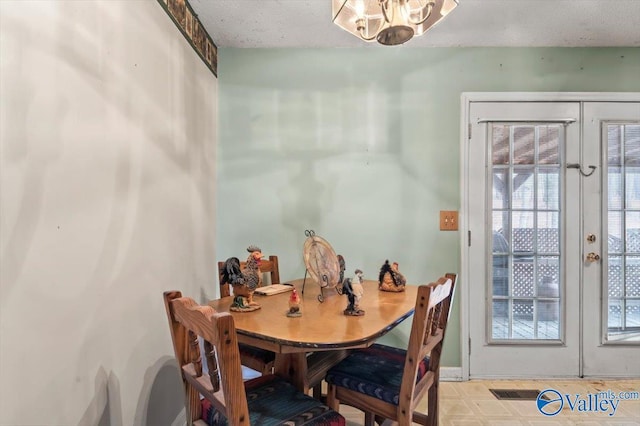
368, 38
428, 6
383, 4
375, 34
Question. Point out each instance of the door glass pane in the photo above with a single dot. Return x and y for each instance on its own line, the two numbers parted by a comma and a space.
548, 147
614, 147
500, 149
548, 235
500, 182
522, 276
501, 322
526, 255
523, 188
548, 313
614, 277
548, 277
632, 185
523, 141
548, 184
615, 188
622, 297
615, 232
523, 319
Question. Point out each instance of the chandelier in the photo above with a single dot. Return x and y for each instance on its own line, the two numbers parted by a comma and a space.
390, 22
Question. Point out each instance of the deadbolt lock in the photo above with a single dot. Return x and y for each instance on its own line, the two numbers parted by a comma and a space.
593, 257
591, 238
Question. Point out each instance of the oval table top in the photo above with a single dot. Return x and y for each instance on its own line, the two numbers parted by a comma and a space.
323, 325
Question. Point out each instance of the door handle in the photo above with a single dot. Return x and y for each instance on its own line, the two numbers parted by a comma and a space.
593, 257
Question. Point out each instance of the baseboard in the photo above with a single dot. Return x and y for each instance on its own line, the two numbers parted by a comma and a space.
450, 374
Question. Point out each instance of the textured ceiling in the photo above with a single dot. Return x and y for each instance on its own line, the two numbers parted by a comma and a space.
307, 23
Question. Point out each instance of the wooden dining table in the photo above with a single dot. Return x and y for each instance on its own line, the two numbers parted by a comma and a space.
307, 346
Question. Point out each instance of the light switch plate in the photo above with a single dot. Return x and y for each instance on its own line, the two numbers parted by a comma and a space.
448, 220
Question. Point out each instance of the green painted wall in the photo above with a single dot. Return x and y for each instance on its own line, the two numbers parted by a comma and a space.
363, 146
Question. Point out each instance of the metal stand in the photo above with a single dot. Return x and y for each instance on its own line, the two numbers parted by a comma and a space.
324, 279
307, 233
305, 280
323, 285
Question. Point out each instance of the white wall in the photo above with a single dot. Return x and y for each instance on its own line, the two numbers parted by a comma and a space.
363, 146
107, 138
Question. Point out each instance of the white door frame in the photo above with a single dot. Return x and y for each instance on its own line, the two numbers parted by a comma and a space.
466, 99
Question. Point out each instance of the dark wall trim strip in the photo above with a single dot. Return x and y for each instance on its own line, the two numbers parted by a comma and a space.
189, 25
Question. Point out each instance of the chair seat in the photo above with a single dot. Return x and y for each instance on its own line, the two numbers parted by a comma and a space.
375, 371
273, 401
261, 355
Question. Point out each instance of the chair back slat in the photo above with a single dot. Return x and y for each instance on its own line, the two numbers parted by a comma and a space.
212, 366
430, 344
441, 291
430, 319
187, 319
196, 357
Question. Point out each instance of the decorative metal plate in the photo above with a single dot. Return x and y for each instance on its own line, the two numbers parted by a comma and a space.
321, 261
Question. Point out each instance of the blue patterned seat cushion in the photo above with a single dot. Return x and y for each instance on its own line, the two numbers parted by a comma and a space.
375, 371
261, 355
273, 401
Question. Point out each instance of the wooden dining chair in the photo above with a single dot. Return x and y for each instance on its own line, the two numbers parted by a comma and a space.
257, 359
387, 382
226, 399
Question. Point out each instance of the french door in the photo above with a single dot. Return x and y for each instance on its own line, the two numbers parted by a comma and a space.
611, 326
553, 193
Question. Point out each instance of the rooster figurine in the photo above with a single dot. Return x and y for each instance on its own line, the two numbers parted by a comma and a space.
354, 290
244, 281
295, 310
390, 278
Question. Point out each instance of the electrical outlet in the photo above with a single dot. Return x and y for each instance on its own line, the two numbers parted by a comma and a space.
448, 220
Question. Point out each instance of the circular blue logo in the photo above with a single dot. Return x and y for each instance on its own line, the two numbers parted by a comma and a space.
549, 402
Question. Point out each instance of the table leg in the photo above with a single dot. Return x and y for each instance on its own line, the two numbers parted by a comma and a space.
307, 371
293, 368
